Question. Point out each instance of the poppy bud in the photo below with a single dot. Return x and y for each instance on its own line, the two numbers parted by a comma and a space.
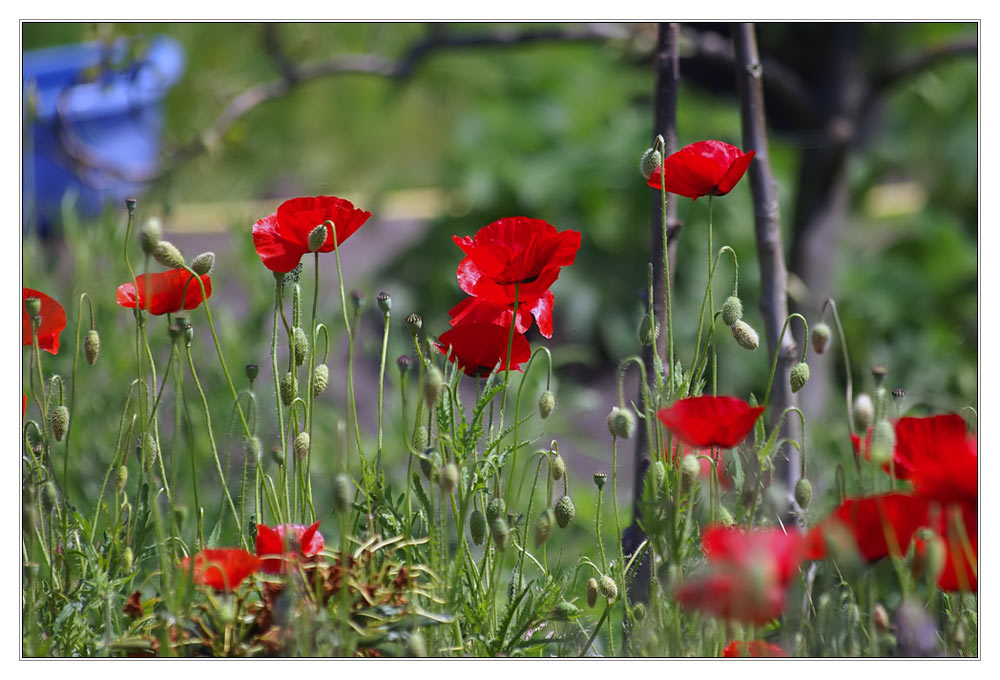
415, 645
60, 422
321, 376
128, 558
150, 235
278, 456
883, 440
477, 526
203, 263
659, 472
317, 237
546, 404
650, 162
690, 469
342, 487
149, 451
648, 330
543, 526
878, 373
565, 511
384, 302
599, 480
92, 346
557, 467
167, 254
725, 517
357, 299
433, 385
49, 496
494, 509
799, 376
430, 463
958, 637
301, 345
296, 305
300, 445
449, 478
803, 492
732, 310
592, 590
251, 371
929, 556
821, 337
33, 306
420, 438
121, 478
608, 588
289, 388
414, 323
499, 532
621, 423
881, 617
251, 449
745, 336
564, 611
864, 412
130, 206
404, 363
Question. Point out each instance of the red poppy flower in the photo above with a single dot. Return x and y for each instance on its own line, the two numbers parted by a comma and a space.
747, 576
514, 252
477, 347
481, 310
164, 293
941, 457
958, 573
756, 648
709, 168
282, 238
292, 541
710, 421
874, 523
53, 321
222, 569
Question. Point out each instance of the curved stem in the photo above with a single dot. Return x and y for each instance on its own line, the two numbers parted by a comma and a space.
777, 351
847, 361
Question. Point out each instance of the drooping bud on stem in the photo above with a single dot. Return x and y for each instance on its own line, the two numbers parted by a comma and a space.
252, 449
167, 254
648, 330
864, 412
621, 423
546, 404
477, 526
203, 264
289, 388
149, 451
121, 478
745, 336
60, 422
650, 161
494, 509
608, 587
690, 469
732, 310
565, 511
449, 478
321, 377
799, 376
593, 589
433, 385
301, 345
557, 467
543, 526
803, 492
92, 346
499, 532
150, 235
820, 337
300, 445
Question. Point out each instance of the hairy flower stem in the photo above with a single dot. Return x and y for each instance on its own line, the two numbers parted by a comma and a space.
381, 385
711, 304
510, 344
777, 351
666, 274
623, 593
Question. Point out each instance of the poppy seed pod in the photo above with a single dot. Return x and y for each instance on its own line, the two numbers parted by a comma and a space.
821, 337
301, 345
60, 422
449, 478
414, 324
650, 161
494, 509
433, 385
546, 404
121, 478
621, 423
477, 526
878, 374
300, 445
803, 492
543, 526
499, 532
420, 438
289, 388
321, 377
317, 237
732, 310
251, 371
150, 235
565, 511
592, 591
690, 469
252, 449
608, 588
898, 395
883, 441
203, 264
342, 487
33, 306
92, 346
799, 376
130, 206
745, 336
648, 330
167, 254
404, 363
384, 302
600, 478
864, 412
557, 467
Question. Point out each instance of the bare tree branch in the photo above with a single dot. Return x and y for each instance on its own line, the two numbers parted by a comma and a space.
916, 62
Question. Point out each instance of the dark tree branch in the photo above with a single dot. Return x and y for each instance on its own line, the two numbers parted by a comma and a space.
770, 251
916, 62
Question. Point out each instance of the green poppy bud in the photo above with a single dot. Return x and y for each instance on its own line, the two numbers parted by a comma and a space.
92, 346
725, 517
821, 337
60, 422
203, 264
167, 254
621, 423
449, 478
543, 526
799, 376
639, 611
803, 492
499, 532
608, 588
252, 449
289, 388
301, 345
321, 377
300, 445
557, 467
745, 336
864, 412
150, 235
659, 472
592, 590
128, 558
650, 162
149, 451
565, 611
121, 478
494, 509
883, 441
277, 455
477, 526
433, 385
648, 331
317, 237
565, 511
343, 488
420, 438
546, 404
732, 310
690, 470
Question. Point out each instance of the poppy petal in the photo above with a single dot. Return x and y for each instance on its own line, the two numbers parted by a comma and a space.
164, 292
278, 253
53, 321
479, 347
707, 421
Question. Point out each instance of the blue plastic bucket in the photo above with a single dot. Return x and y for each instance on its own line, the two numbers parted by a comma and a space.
93, 123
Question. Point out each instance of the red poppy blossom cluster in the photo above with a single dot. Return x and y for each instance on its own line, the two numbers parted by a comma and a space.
223, 569
282, 238
940, 459
747, 575
709, 168
164, 292
508, 268
53, 321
